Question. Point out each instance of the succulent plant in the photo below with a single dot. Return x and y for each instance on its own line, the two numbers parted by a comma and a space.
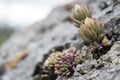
48, 67
79, 14
48, 73
66, 63
52, 58
60, 63
91, 30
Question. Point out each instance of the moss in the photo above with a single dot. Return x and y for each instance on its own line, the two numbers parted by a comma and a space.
3, 39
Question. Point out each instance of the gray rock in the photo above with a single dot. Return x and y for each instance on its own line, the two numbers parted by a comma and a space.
116, 46
37, 42
57, 31
110, 70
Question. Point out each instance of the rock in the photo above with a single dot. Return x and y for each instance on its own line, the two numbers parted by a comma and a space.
58, 32
85, 68
110, 70
116, 46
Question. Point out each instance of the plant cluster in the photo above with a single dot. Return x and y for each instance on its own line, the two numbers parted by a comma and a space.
79, 14
91, 31
61, 63
66, 63
47, 70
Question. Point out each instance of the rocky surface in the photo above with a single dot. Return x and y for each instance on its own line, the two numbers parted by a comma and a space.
58, 32
106, 68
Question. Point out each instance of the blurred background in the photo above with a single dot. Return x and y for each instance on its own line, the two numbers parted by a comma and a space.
17, 14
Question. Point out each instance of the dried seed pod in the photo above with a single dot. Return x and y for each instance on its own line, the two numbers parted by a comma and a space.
106, 42
79, 14
91, 30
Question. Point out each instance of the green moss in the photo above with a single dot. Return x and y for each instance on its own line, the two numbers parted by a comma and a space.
5, 32
3, 39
